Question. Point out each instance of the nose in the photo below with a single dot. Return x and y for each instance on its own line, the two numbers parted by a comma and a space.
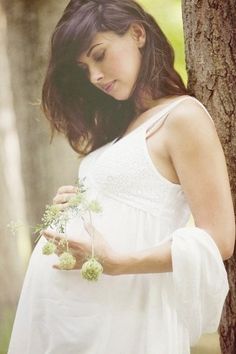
95, 75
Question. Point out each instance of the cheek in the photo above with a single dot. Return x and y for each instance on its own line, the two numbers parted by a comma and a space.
116, 63
125, 63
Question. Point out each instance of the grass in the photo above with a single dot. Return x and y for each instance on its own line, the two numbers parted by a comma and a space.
6, 322
208, 344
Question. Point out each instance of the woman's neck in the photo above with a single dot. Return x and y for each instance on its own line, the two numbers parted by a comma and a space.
146, 103
145, 112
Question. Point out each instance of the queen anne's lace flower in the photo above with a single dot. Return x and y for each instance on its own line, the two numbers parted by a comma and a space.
95, 207
49, 248
66, 261
56, 219
91, 269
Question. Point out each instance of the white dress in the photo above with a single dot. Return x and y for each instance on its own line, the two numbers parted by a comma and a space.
61, 313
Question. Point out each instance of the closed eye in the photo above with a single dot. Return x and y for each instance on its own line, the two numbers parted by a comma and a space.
99, 57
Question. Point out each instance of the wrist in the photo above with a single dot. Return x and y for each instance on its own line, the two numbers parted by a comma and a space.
154, 260
124, 264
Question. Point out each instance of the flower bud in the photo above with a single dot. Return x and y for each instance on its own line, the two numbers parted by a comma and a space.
66, 261
91, 269
49, 248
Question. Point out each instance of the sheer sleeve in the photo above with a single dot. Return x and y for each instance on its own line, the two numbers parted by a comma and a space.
200, 280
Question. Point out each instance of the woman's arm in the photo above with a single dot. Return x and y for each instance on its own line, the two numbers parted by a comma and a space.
195, 150
196, 153
199, 161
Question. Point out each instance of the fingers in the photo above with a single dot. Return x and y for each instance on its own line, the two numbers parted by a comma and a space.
55, 266
62, 206
80, 259
79, 264
67, 189
79, 249
63, 198
51, 234
62, 243
64, 194
58, 252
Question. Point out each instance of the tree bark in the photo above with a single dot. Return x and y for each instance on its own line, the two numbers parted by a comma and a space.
210, 42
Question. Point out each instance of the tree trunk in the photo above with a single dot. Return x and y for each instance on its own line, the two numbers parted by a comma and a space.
31, 169
210, 40
44, 167
12, 197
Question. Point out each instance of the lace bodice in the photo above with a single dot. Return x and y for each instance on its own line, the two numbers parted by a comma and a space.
123, 170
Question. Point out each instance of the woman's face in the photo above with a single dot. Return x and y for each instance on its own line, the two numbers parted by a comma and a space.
112, 62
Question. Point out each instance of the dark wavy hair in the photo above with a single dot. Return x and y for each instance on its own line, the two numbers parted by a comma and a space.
87, 116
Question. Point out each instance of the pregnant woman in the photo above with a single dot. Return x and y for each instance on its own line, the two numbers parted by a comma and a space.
152, 157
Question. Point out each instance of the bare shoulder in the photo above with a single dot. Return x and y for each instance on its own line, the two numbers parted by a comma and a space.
189, 113
189, 124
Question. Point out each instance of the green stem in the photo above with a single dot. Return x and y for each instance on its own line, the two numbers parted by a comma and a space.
66, 238
90, 218
38, 237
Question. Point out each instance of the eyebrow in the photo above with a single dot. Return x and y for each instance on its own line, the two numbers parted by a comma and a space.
95, 45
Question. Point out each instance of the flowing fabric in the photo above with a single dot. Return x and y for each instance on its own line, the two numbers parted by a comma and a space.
61, 313
200, 295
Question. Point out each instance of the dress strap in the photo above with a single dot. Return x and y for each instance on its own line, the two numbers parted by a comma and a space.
164, 112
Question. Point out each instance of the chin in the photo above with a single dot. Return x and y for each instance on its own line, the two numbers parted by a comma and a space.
122, 96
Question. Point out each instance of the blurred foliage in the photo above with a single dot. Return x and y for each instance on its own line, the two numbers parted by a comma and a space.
168, 15
6, 321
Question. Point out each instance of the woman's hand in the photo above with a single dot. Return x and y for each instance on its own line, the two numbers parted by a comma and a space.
81, 249
64, 195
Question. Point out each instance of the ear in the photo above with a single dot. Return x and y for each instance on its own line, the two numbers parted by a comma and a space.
138, 33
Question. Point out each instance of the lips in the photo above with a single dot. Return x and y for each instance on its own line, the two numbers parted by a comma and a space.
109, 86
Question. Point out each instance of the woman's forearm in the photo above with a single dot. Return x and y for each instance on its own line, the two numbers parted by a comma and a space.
153, 260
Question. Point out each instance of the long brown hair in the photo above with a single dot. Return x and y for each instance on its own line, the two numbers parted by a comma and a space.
87, 116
